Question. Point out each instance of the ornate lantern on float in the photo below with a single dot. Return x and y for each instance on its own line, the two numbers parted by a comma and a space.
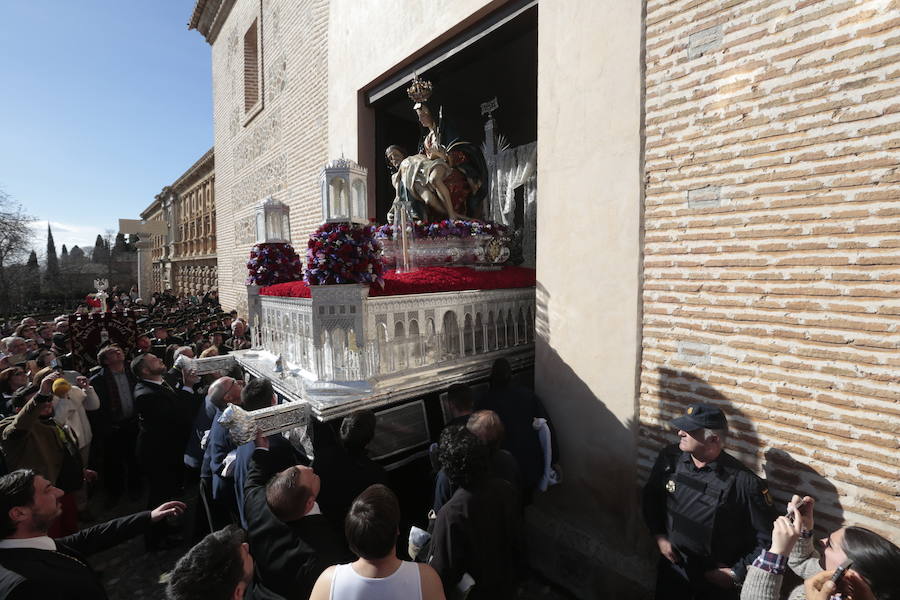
273, 222
344, 197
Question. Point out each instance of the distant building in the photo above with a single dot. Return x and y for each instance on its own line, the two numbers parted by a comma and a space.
183, 258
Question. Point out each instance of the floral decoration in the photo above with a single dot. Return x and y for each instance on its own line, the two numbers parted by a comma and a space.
343, 253
273, 263
445, 229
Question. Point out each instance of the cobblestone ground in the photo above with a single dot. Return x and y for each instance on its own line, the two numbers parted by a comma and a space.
131, 573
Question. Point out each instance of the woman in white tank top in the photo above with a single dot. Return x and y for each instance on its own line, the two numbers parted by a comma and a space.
371, 528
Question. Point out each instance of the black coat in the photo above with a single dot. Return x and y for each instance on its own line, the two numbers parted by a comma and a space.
344, 477
289, 556
479, 532
720, 514
517, 407
65, 574
104, 383
165, 422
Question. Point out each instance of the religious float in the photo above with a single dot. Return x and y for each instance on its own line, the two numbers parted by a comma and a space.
388, 317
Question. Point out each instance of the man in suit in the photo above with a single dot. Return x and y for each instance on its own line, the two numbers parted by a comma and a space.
56, 568
115, 424
289, 536
165, 416
346, 467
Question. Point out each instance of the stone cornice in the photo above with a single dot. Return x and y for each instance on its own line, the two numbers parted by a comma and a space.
204, 165
208, 17
156, 205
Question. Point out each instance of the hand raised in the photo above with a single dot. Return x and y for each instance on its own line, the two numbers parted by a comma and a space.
171, 508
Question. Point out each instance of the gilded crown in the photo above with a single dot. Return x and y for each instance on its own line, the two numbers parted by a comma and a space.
420, 90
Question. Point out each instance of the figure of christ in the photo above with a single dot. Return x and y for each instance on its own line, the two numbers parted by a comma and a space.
413, 181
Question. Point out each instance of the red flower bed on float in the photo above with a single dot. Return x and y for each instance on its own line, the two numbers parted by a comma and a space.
424, 281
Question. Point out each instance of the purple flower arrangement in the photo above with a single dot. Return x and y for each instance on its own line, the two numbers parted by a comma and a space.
459, 228
343, 253
273, 263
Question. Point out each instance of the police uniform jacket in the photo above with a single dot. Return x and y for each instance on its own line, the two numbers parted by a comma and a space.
720, 514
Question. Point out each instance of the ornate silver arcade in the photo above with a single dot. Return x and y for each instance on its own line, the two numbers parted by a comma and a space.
273, 222
344, 195
342, 349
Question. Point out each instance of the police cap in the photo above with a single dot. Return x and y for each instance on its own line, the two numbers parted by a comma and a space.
701, 416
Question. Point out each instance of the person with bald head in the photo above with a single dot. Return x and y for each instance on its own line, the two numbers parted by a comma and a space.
218, 445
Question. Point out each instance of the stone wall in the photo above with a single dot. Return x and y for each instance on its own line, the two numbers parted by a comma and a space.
772, 241
280, 151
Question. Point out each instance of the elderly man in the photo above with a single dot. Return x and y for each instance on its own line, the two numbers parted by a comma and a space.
115, 424
165, 417
56, 568
238, 339
709, 514
16, 348
208, 446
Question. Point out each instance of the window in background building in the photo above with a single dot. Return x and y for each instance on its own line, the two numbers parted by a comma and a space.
252, 76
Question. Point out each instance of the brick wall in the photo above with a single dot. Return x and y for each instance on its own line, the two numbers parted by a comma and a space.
772, 241
281, 151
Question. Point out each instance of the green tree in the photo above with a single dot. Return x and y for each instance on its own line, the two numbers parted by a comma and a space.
76, 256
101, 253
121, 246
52, 271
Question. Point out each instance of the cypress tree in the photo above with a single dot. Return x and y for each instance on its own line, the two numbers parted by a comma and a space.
100, 251
52, 260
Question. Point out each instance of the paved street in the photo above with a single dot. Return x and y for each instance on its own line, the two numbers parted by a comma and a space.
131, 573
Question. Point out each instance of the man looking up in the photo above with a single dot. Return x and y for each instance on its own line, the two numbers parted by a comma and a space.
290, 537
115, 423
710, 515
165, 416
57, 568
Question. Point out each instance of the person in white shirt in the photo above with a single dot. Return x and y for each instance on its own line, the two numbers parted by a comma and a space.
372, 527
70, 406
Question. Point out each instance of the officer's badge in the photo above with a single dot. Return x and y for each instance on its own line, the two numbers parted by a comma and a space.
670, 487
767, 497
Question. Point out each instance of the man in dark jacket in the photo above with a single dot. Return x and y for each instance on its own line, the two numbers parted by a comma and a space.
709, 514
289, 536
56, 569
478, 531
517, 407
346, 468
115, 424
165, 417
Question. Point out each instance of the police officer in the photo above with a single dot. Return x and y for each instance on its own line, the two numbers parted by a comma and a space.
710, 515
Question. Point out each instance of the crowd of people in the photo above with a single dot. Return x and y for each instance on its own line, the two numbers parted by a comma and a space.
270, 521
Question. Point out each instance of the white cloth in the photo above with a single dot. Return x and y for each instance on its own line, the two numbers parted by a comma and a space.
38, 543
404, 583
70, 411
550, 476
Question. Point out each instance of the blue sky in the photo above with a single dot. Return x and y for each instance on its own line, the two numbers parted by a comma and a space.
103, 103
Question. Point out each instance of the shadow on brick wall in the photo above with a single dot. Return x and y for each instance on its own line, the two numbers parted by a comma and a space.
678, 389
787, 476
